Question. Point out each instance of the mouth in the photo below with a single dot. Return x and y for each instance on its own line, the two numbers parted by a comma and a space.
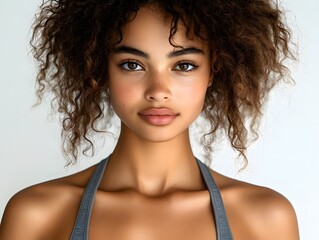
158, 116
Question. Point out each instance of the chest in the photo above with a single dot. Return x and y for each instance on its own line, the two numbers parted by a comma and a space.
134, 218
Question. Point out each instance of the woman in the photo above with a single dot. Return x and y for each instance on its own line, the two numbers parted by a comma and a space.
158, 65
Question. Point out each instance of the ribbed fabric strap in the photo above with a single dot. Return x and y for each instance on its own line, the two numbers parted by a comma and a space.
223, 231
80, 230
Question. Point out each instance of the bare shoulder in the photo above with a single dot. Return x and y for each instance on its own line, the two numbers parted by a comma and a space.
256, 212
38, 211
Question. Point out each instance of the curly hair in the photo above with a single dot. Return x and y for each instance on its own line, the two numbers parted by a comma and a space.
248, 42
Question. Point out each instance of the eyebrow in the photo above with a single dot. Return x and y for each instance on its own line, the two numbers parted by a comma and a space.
185, 51
137, 52
131, 50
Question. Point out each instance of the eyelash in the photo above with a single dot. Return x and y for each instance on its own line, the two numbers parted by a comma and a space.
194, 66
121, 65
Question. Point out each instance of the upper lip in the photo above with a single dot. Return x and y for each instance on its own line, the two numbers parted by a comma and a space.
158, 112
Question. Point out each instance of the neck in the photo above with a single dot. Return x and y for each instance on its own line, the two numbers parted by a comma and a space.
153, 168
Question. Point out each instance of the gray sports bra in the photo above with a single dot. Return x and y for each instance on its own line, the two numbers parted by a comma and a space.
81, 227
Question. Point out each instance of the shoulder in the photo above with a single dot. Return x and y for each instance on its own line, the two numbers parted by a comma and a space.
38, 211
256, 212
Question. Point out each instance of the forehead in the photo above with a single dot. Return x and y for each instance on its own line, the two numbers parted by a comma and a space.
152, 25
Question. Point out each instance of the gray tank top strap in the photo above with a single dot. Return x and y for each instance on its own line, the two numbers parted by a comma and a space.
223, 231
80, 230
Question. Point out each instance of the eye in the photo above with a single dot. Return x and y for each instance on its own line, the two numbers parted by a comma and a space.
131, 66
185, 67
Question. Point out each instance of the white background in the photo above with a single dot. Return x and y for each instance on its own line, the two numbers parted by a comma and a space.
284, 158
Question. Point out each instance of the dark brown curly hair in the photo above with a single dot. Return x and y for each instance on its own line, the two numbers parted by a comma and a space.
248, 40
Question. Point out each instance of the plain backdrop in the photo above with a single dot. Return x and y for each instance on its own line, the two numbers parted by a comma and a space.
284, 158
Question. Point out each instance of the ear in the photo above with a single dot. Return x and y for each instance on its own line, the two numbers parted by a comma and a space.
213, 68
210, 82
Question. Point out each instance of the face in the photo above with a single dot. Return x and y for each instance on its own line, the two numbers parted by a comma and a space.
156, 89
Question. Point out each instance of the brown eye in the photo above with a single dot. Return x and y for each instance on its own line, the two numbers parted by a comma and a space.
185, 67
131, 66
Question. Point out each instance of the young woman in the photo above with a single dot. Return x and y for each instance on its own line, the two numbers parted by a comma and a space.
158, 65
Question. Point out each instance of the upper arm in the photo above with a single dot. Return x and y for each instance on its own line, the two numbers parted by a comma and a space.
256, 212
275, 217
44, 211
29, 215
20, 219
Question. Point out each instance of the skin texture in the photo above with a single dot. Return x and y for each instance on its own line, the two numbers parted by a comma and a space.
152, 188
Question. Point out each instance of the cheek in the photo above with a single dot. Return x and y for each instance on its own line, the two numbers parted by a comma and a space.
117, 90
123, 90
193, 94
119, 95
198, 98
191, 101
122, 96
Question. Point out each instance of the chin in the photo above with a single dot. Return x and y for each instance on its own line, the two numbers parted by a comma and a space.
159, 134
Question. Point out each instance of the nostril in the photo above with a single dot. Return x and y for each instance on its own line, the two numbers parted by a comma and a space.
157, 91
157, 98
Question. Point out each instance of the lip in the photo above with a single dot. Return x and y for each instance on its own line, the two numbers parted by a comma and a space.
158, 116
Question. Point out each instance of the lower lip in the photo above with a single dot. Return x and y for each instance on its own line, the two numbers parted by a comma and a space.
159, 120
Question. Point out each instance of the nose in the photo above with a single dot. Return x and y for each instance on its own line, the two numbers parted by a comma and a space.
158, 88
